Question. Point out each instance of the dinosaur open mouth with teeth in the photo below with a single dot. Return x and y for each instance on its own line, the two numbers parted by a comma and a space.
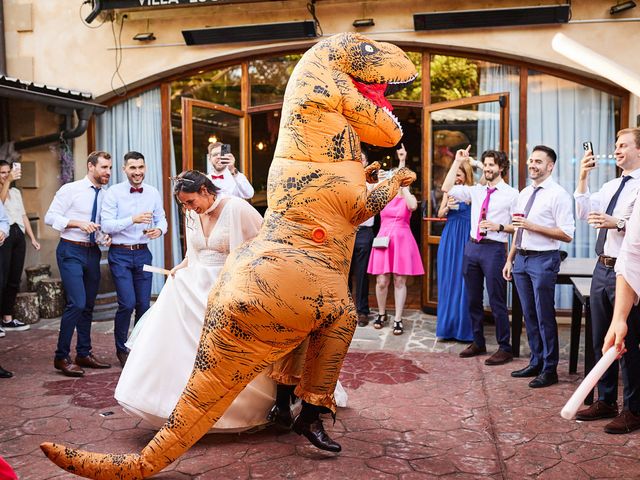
376, 93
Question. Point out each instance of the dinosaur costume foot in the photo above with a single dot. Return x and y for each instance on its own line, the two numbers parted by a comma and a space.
94, 465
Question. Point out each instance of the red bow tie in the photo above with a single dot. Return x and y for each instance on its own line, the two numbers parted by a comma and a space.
217, 177
135, 190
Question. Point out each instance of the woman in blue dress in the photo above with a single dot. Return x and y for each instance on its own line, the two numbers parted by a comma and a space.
453, 320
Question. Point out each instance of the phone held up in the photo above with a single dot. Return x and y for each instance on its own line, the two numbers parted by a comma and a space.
225, 149
588, 147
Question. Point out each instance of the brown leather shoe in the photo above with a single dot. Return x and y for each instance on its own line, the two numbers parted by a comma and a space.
597, 411
91, 361
122, 357
363, 320
67, 367
472, 350
626, 422
499, 358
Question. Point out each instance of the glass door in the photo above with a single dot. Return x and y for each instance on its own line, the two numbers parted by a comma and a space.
204, 123
481, 122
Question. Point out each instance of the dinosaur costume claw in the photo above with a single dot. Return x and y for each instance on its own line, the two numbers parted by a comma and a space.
289, 284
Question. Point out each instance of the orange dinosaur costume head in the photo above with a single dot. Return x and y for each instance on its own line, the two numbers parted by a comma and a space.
290, 282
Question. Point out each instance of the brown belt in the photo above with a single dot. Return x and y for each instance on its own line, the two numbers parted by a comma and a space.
608, 262
81, 244
139, 246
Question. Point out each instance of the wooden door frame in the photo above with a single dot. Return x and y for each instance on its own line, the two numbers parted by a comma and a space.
427, 239
187, 129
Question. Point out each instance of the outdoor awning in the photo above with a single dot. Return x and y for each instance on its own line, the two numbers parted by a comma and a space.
70, 103
17, 89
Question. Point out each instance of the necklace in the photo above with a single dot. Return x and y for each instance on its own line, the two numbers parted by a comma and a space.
215, 204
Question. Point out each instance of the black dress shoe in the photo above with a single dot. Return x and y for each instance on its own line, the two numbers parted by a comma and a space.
91, 362
545, 379
280, 417
5, 373
122, 357
315, 433
528, 371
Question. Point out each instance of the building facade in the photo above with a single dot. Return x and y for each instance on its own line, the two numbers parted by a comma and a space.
491, 87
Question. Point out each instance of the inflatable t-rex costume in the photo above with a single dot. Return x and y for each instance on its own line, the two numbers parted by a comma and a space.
290, 282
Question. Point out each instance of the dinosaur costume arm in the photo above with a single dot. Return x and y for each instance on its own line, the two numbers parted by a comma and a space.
383, 193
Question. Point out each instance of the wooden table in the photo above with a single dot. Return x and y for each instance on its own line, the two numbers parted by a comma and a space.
581, 302
570, 267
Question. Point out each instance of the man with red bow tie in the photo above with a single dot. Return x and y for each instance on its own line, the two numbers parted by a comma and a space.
225, 175
132, 213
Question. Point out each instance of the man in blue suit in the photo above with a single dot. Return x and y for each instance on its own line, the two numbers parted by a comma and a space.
132, 214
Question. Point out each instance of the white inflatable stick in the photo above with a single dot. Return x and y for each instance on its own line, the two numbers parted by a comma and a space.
162, 271
589, 382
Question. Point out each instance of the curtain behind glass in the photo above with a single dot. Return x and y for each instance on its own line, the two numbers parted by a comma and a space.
497, 79
563, 114
136, 124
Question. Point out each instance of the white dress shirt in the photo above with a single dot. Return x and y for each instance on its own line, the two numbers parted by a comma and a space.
599, 201
74, 201
628, 263
501, 205
4, 221
15, 208
233, 185
120, 205
551, 208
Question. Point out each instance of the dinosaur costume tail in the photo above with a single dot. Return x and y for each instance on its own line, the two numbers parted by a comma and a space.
187, 424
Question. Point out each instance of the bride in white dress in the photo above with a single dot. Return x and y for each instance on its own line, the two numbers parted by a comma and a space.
164, 343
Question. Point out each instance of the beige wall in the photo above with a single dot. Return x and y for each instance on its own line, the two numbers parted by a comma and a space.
60, 50
46, 42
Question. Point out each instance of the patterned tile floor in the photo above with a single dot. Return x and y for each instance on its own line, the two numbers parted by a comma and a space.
416, 411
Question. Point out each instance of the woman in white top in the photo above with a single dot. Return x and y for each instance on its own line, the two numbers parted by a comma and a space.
164, 343
13, 250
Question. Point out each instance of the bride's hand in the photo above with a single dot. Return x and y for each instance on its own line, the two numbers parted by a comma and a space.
173, 271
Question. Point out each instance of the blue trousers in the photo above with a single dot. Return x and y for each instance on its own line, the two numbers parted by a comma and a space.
133, 287
602, 298
535, 278
484, 261
359, 264
80, 272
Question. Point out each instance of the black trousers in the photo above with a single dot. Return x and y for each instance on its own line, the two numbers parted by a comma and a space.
12, 254
359, 264
602, 299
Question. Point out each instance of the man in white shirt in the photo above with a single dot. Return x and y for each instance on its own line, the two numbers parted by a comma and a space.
225, 175
608, 210
492, 204
132, 213
543, 219
75, 213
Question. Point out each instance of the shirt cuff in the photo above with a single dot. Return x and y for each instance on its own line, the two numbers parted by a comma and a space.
60, 223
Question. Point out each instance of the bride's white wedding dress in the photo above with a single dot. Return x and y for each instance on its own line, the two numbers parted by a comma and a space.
164, 343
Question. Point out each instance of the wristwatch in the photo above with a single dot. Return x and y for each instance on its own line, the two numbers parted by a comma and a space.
621, 224
500, 227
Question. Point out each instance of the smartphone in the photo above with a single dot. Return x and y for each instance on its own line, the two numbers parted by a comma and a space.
17, 166
225, 149
587, 146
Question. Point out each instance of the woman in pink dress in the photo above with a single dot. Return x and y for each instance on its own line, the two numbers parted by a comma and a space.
401, 257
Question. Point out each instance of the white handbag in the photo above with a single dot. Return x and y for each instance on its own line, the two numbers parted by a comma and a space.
380, 242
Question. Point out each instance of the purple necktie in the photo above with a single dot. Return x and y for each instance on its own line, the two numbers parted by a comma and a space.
527, 208
483, 213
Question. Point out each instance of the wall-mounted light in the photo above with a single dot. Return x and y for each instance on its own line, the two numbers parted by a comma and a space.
261, 146
144, 36
621, 7
213, 139
363, 22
